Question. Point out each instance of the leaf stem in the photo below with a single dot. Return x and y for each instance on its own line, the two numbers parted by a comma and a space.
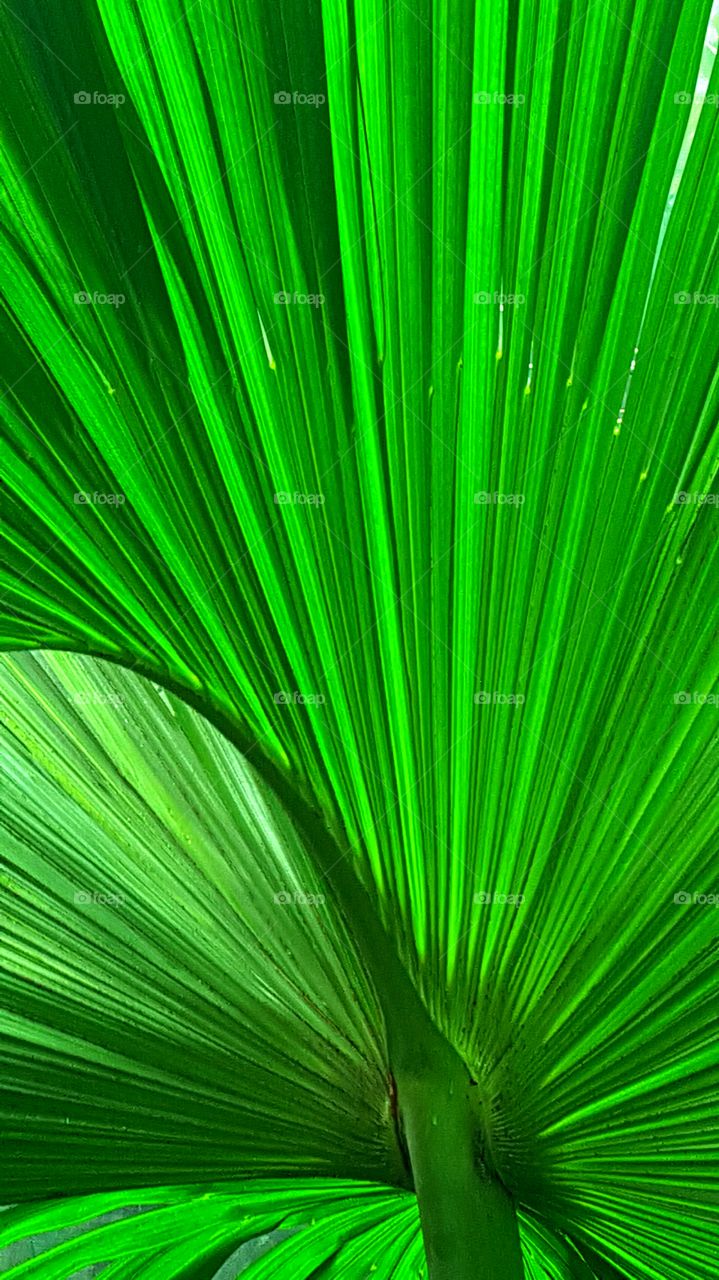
469, 1221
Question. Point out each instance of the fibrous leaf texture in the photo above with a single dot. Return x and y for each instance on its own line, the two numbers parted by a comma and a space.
358, 442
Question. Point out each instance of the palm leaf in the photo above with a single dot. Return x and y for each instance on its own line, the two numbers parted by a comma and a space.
330, 1229
411, 192
175, 998
185, 1233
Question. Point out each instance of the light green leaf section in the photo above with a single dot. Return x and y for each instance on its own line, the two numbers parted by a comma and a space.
346, 1230
185, 1233
178, 994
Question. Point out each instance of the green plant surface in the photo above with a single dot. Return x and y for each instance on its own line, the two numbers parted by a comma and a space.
407, 599
188, 1231
332, 1229
169, 1015
164, 1013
